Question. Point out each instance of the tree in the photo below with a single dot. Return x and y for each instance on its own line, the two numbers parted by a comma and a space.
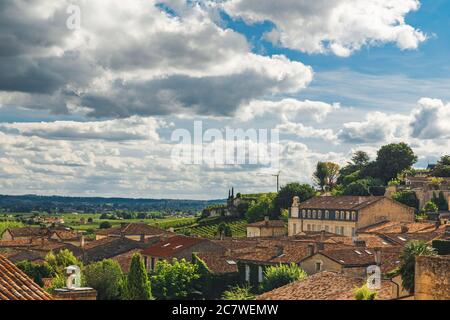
284, 197
357, 188
57, 263
90, 220
278, 276
261, 208
406, 197
224, 229
320, 175
326, 174
105, 225
138, 284
442, 168
392, 159
430, 207
364, 293
175, 280
238, 293
360, 159
35, 271
408, 256
107, 278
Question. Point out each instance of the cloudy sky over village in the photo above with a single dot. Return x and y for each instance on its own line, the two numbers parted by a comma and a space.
90, 111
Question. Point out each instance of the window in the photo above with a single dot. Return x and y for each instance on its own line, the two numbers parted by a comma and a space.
304, 213
353, 232
295, 228
337, 230
319, 214
313, 227
353, 215
309, 213
342, 215
308, 227
342, 230
152, 264
314, 214
260, 274
327, 214
327, 228
247, 273
318, 266
347, 215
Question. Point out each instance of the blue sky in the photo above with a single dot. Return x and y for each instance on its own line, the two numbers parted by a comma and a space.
91, 110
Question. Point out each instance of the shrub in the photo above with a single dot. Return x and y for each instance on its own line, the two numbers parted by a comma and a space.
238, 293
278, 276
175, 280
364, 293
105, 225
107, 278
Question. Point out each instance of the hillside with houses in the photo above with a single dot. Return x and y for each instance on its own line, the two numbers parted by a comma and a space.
372, 229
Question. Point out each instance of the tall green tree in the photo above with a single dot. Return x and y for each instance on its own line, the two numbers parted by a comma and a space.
442, 168
320, 175
57, 263
408, 256
138, 284
261, 208
392, 159
283, 199
175, 280
360, 159
107, 278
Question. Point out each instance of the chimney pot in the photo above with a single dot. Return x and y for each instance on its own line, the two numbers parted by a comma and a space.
378, 256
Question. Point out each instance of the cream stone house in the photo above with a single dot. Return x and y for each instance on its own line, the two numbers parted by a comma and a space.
266, 228
344, 215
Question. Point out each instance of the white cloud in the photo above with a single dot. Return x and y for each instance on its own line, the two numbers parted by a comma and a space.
431, 119
339, 26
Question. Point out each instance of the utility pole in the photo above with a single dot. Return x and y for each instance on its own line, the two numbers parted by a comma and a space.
278, 180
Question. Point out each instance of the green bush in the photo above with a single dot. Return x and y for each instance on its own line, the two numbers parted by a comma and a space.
138, 284
278, 276
238, 293
106, 277
364, 293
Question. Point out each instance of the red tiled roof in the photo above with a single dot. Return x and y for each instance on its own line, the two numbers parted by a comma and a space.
355, 257
133, 229
268, 224
29, 232
218, 262
399, 227
16, 285
324, 286
339, 202
171, 246
124, 259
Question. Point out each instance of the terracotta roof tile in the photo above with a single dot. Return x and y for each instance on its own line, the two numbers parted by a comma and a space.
324, 286
16, 285
268, 224
133, 229
218, 262
339, 202
171, 246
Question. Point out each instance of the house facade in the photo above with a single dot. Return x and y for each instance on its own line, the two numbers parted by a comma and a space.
344, 215
266, 228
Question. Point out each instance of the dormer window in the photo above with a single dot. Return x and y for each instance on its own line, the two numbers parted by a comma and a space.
309, 214
319, 214
347, 215
314, 214
353, 215
304, 213
327, 214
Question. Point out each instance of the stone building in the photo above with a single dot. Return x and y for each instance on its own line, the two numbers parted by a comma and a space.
344, 215
266, 228
432, 278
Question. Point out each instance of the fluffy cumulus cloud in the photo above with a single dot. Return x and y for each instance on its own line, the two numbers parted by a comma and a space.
431, 119
133, 58
339, 26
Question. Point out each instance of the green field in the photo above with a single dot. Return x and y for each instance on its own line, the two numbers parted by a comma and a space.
207, 228
185, 225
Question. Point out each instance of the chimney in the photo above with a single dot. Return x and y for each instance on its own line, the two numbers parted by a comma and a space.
320, 246
279, 250
311, 249
404, 229
359, 243
360, 199
378, 256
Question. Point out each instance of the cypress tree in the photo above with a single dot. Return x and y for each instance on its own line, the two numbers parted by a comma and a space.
138, 284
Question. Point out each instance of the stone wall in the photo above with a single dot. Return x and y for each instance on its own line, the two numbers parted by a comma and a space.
432, 278
384, 210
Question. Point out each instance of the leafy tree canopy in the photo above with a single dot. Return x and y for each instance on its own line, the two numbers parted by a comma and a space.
283, 199
278, 276
442, 168
261, 208
392, 159
107, 278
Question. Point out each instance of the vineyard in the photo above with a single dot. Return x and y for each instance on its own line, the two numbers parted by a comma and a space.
208, 228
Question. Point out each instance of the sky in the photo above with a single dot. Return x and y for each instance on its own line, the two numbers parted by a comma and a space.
93, 92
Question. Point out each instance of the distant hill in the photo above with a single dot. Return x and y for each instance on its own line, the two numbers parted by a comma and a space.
29, 203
